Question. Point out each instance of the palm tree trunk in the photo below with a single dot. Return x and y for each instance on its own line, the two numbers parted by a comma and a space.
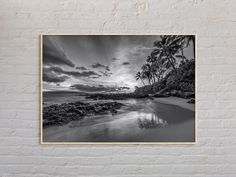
172, 64
154, 89
142, 82
182, 53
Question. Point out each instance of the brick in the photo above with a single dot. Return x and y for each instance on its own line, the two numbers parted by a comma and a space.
22, 22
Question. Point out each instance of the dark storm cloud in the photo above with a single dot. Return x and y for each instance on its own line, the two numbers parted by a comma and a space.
49, 76
53, 55
126, 63
99, 88
105, 73
107, 68
99, 65
88, 88
115, 59
94, 77
123, 88
73, 73
81, 68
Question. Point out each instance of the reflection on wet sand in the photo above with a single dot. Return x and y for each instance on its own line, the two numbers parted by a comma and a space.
137, 121
150, 120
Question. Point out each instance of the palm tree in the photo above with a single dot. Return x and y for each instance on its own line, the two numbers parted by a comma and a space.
147, 72
166, 49
156, 68
159, 72
139, 76
185, 43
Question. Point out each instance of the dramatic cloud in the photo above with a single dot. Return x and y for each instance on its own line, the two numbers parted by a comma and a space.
81, 68
94, 77
123, 88
73, 73
121, 55
115, 59
126, 63
53, 55
49, 76
98, 65
105, 73
99, 88
107, 68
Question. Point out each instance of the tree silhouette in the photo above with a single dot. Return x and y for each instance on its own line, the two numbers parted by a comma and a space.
139, 76
166, 49
147, 72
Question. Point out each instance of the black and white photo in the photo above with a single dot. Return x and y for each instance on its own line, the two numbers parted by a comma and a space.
118, 89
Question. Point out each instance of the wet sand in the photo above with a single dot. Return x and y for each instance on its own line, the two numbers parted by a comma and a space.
181, 102
141, 120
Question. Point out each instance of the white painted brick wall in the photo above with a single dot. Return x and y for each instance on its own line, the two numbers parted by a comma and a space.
21, 22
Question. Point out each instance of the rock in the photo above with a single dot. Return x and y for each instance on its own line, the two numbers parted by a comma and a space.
192, 101
66, 112
113, 111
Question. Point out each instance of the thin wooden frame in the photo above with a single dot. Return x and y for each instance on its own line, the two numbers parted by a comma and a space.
110, 143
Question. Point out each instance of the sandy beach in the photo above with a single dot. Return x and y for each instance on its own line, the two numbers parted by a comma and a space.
176, 101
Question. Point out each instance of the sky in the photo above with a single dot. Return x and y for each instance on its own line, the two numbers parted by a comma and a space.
95, 63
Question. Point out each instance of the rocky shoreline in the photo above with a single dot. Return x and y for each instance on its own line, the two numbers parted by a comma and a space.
122, 96
116, 96
67, 112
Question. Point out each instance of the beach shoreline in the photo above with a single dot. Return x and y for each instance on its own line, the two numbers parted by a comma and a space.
181, 102
124, 126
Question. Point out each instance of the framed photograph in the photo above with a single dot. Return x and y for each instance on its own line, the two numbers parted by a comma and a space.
133, 89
